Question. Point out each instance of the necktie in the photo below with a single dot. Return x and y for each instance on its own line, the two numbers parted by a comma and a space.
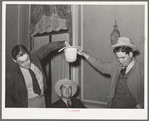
123, 71
36, 87
69, 103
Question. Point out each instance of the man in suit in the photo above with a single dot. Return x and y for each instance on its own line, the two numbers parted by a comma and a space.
66, 89
26, 83
127, 75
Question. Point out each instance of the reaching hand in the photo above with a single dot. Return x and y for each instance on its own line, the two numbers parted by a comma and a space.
67, 44
80, 51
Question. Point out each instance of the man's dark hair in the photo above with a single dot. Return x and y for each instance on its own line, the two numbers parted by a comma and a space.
61, 87
125, 49
18, 51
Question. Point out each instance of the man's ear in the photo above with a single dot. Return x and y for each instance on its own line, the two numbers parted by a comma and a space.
14, 60
131, 54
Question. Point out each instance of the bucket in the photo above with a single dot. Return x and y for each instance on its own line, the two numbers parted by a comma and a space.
70, 53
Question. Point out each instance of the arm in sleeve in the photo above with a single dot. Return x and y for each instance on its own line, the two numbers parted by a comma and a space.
142, 87
9, 102
105, 68
46, 49
81, 104
78, 103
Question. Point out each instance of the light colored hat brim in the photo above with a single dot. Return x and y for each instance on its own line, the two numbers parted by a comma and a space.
65, 81
69, 47
124, 44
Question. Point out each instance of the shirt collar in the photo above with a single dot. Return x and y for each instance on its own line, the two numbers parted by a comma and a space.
23, 69
130, 66
65, 100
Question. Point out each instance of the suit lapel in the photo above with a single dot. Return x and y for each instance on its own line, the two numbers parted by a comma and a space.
37, 64
117, 75
20, 74
62, 104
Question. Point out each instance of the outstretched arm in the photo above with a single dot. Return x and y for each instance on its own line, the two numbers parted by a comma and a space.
82, 53
105, 68
9, 89
141, 72
46, 49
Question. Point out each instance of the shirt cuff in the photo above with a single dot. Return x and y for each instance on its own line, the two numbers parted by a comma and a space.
85, 55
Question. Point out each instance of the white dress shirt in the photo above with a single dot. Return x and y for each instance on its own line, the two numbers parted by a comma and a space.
130, 66
28, 80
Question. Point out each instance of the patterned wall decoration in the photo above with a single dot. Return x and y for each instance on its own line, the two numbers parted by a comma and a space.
48, 18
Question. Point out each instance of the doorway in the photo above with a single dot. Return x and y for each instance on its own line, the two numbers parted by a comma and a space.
54, 65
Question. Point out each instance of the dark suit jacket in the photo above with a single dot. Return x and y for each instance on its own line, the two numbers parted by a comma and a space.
60, 104
16, 90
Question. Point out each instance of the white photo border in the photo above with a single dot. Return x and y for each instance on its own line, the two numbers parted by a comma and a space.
47, 113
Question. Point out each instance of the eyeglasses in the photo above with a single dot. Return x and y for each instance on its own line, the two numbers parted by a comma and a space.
24, 62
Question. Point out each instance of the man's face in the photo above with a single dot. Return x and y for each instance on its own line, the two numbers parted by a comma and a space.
24, 61
66, 91
123, 58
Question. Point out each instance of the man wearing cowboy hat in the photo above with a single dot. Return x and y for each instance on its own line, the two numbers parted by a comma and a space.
66, 89
127, 76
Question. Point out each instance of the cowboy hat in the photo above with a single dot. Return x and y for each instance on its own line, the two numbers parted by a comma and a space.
65, 81
124, 41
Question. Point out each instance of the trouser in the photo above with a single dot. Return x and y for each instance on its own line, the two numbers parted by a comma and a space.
37, 102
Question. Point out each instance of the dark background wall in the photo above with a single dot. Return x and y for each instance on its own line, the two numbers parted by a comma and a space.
17, 30
11, 33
